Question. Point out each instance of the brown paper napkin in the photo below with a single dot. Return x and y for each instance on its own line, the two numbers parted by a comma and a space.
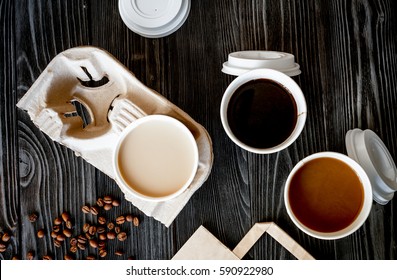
114, 98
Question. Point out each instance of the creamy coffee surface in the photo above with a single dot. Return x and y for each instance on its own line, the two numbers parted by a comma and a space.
157, 158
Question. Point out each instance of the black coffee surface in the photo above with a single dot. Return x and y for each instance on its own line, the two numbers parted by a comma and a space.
262, 113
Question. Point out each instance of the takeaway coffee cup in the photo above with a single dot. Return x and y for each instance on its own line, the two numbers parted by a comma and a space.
328, 195
263, 111
156, 158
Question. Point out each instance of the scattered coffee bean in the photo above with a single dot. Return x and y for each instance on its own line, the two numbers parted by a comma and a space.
58, 221
54, 234
117, 229
73, 241
101, 244
6, 237
86, 227
73, 249
119, 253
81, 239
107, 199
102, 236
3, 247
100, 229
92, 230
30, 255
120, 220
69, 224
94, 210
56, 228
81, 246
111, 235
33, 217
61, 237
68, 257
100, 202
107, 207
135, 221
40, 233
67, 232
101, 220
110, 226
89, 236
47, 258
103, 253
86, 209
57, 243
93, 243
90, 257
15, 258
65, 216
115, 203
129, 218
122, 236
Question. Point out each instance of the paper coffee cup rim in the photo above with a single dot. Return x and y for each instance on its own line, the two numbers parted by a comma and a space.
154, 18
367, 203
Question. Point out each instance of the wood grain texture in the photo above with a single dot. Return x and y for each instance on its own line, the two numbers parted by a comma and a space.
347, 51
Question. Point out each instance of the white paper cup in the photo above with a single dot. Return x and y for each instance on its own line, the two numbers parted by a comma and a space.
363, 213
156, 158
285, 81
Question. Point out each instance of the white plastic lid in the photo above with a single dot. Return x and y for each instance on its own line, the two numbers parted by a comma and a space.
154, 18
370, 152
241, 62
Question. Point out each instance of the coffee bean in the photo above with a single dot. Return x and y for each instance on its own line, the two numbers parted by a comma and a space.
135, 221
86, 227
107, 199
115, 203
111, 235
89, 236
15, 258
119, 253
57, 243
40, 233
65, 216
117, 229
73, 241
69, 224
122, 236
101, 244
100, 202
107, 207
100, 229
6, 237
102, 236
86, 209
93, 243
33, 217
120, 220
92, 230
129, 218
68, 257
61, 237
67, 232
3, 247
90, 257
110, 226
81, 239
54, 234
47, 258
30, 255
103, 253
56, 228
58, 221
73, 249
94, 210
81, 246
101, 220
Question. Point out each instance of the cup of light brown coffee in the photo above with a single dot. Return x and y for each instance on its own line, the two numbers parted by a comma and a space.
328, 195
156, 158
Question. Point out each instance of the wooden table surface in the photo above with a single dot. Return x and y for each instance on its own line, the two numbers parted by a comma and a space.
347, 51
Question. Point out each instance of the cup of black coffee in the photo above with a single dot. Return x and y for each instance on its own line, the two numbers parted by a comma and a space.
263, 111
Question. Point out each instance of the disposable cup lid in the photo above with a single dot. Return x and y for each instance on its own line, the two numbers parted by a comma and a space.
241, 62
154, 18
370, 152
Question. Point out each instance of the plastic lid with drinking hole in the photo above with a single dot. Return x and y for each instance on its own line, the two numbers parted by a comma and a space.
370, 152
154, 18
241, 62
